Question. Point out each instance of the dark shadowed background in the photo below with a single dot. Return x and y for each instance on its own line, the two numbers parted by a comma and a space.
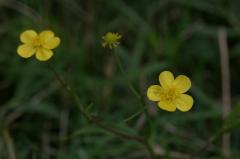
39, 120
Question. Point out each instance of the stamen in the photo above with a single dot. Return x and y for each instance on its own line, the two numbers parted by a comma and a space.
170, 94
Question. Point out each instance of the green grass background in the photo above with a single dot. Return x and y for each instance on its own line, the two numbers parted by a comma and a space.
176, 35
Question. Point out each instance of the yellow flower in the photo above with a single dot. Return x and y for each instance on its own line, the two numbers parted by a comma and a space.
170, 94
111, 40
39, 44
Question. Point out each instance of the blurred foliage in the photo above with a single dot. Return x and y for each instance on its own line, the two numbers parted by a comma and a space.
177, 35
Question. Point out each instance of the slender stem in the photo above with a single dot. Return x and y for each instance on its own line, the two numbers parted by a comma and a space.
130, 85
134, 115
226, 86
118, 133
150, 150
126, 77
139, 97
89, 117
9, 144
69, 90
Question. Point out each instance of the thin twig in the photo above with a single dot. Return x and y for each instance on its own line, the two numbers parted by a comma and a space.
9, 144
226, 93
89, 117
131, 87
134, 115
140, 98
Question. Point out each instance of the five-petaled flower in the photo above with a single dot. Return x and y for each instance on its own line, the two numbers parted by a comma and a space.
111, 40
39, 44
170, 94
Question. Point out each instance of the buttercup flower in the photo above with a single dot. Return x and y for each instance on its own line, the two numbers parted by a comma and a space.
170, 94
111, 40
39, 44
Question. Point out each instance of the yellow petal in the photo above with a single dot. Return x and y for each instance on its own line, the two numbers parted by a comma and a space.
167, 105
26, 50
51, 43
184, 102
182, 83
43, 54
48, 40
154, 92
28, 36
46, 34
166, 79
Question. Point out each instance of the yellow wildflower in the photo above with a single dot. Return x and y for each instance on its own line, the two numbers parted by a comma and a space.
170, 94
111, 40
39, 44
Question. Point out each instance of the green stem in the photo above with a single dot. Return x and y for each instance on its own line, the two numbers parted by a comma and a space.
9, 144
139, 97
89, 117
118, 133
126, 77
69, 90
134, 115
130, 85
150, 150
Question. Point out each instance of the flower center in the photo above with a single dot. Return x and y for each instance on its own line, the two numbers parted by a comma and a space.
111, 39
37, 42
170, 94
